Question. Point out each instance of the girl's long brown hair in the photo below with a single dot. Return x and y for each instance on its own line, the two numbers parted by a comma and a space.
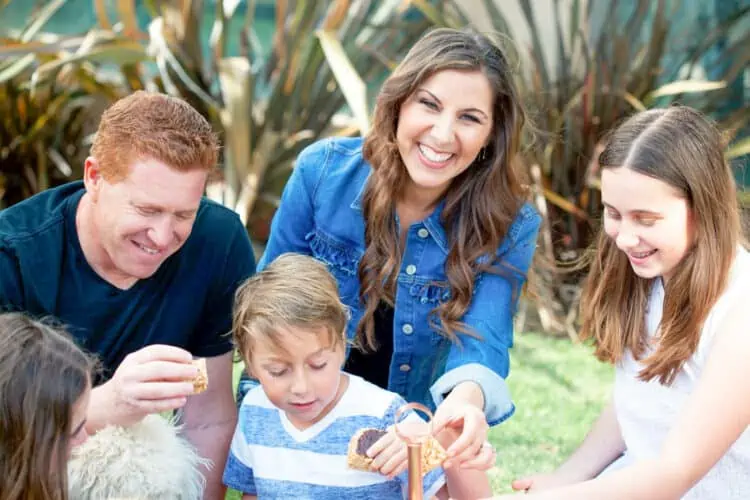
682, 148
42, 374
480, 203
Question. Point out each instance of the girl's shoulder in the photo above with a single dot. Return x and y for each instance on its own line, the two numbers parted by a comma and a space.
742, 262
735, 295
738, 284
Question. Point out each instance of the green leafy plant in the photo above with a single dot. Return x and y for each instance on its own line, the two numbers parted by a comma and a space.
50, 89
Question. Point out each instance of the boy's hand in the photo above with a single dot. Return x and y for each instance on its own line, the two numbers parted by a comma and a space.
389, 454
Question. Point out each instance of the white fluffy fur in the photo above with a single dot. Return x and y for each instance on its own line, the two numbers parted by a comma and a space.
149, 460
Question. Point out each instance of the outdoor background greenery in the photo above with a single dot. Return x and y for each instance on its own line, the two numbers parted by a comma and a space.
274, 76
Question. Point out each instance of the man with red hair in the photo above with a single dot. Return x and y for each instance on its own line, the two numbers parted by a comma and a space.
141, 268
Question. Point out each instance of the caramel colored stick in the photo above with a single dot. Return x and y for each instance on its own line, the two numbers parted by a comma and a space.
415, 471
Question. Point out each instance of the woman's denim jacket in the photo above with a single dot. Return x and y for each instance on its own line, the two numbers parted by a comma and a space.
321, 215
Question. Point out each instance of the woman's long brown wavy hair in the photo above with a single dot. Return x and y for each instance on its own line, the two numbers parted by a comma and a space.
42, 374
682, 148
480, 203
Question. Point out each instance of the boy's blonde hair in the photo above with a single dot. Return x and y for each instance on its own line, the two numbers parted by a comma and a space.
294, 291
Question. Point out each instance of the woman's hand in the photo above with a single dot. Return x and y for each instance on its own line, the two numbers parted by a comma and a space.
460, 421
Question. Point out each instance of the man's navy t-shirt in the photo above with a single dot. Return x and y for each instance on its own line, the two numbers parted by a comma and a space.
186, 303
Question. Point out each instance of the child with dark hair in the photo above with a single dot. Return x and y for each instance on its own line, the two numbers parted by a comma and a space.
45, 384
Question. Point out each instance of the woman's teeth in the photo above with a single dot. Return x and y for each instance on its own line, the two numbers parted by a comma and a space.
642, 255
433, 155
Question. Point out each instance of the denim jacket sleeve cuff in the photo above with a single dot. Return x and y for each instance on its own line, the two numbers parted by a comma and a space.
498, 405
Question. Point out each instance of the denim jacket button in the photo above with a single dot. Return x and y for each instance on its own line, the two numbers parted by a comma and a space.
404, 368
407, 329
411, 269
423, 233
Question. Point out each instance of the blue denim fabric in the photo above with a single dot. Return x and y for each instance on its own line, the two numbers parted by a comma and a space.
321, 215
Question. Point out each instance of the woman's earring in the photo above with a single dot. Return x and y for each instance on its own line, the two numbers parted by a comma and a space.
482, 154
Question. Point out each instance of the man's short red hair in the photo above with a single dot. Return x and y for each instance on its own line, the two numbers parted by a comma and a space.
156, 126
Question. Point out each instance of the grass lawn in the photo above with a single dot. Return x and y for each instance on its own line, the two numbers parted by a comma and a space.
559, 389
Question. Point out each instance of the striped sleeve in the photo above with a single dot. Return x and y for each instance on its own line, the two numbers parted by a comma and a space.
238, 472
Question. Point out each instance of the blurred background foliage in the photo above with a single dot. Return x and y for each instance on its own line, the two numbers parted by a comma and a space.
275, 76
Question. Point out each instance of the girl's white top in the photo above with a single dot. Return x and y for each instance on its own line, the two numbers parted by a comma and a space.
646, 411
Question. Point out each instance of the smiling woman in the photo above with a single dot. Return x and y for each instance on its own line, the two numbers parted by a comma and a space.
425, 226
441, 129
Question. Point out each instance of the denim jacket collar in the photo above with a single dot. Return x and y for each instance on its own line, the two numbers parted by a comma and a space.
432, 222
435, 227
357, 203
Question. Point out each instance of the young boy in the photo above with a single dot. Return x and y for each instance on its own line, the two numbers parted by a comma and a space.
294, 429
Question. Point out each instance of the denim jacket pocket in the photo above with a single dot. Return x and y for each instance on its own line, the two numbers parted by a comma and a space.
427, 296
342, 261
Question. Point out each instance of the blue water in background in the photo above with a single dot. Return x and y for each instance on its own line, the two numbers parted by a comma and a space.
76, 17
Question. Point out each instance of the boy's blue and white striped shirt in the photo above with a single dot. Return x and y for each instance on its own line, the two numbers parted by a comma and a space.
271, 458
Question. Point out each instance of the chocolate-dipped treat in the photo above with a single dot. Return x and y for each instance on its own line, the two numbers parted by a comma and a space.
433, 453
356, 457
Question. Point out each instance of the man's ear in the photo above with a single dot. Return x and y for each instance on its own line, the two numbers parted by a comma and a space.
92, 176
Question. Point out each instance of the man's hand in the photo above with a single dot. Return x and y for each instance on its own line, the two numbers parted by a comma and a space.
154, 379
